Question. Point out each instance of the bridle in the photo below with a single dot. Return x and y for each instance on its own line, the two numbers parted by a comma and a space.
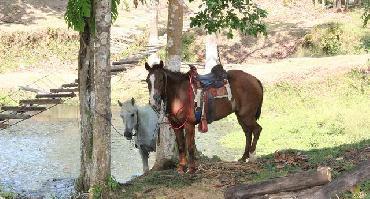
165, 100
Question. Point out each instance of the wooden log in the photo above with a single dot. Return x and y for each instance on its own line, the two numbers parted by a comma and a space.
41, 101
64, 90
14, 116
70, 85
132, 60
58, 95
23, 108
294, 182
345, 182
118, 68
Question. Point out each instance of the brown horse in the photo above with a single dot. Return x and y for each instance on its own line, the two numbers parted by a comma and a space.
175, 90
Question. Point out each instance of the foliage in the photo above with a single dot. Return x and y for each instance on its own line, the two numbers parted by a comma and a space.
79, 13
336, 38
7, 195
189, 47
241, 15
113, 183
366, 15
96, 191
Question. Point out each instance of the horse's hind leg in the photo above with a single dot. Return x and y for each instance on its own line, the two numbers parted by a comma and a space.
256, 134
248, 138
180, 140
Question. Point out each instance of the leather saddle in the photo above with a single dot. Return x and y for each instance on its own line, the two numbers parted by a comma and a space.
216, 78
207, 88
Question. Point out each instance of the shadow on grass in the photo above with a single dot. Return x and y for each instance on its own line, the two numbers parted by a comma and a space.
341, 158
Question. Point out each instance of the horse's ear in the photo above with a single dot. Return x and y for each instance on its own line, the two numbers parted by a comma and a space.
147, 67
119, 103
133, 101
161, 65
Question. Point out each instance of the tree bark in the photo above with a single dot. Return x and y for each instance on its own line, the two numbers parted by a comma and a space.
153, 32
290, 183
166, 138
101, 98
85, 77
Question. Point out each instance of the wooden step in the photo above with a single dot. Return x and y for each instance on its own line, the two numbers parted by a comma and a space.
117, 69
14, 116
71, 85
23, 108
41, 101
76, 81
64, 90
4, 125
58, 95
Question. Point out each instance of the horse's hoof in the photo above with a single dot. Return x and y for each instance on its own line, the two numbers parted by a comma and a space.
180, 171
252, 157
192, 170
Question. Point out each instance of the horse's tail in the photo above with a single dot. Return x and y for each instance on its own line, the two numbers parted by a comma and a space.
258, 113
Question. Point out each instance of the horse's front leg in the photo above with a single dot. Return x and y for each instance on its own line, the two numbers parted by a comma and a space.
180, 140
190, 144
144, 157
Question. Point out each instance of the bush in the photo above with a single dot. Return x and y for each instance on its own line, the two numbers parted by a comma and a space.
334, 39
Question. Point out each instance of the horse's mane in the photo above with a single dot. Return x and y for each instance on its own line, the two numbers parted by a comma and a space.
177, 76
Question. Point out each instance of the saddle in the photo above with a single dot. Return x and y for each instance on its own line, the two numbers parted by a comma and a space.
207, 88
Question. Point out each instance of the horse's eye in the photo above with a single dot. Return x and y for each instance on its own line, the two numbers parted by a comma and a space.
132, 115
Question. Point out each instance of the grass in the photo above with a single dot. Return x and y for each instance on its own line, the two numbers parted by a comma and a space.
335, 38
7, 195
155, 180
28, 50
311, 115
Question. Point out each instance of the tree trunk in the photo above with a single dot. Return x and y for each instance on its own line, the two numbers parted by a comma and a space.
153, 32
338, 4
101, 98
166, 138
85, 77
290, 183
212, 58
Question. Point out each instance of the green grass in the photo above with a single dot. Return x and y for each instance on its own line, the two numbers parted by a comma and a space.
154, 180
311, 115
23, 49
336, 38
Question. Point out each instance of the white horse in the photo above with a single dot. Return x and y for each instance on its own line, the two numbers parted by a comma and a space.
144, 121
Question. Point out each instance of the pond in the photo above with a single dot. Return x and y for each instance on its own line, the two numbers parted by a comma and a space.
41, 156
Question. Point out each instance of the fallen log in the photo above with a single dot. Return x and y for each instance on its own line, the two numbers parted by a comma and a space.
294, 182
343, 183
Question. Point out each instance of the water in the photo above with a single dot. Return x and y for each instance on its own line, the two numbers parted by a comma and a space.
41, 156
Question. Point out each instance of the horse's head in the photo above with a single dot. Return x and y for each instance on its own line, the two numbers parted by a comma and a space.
157, 81
129, 115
